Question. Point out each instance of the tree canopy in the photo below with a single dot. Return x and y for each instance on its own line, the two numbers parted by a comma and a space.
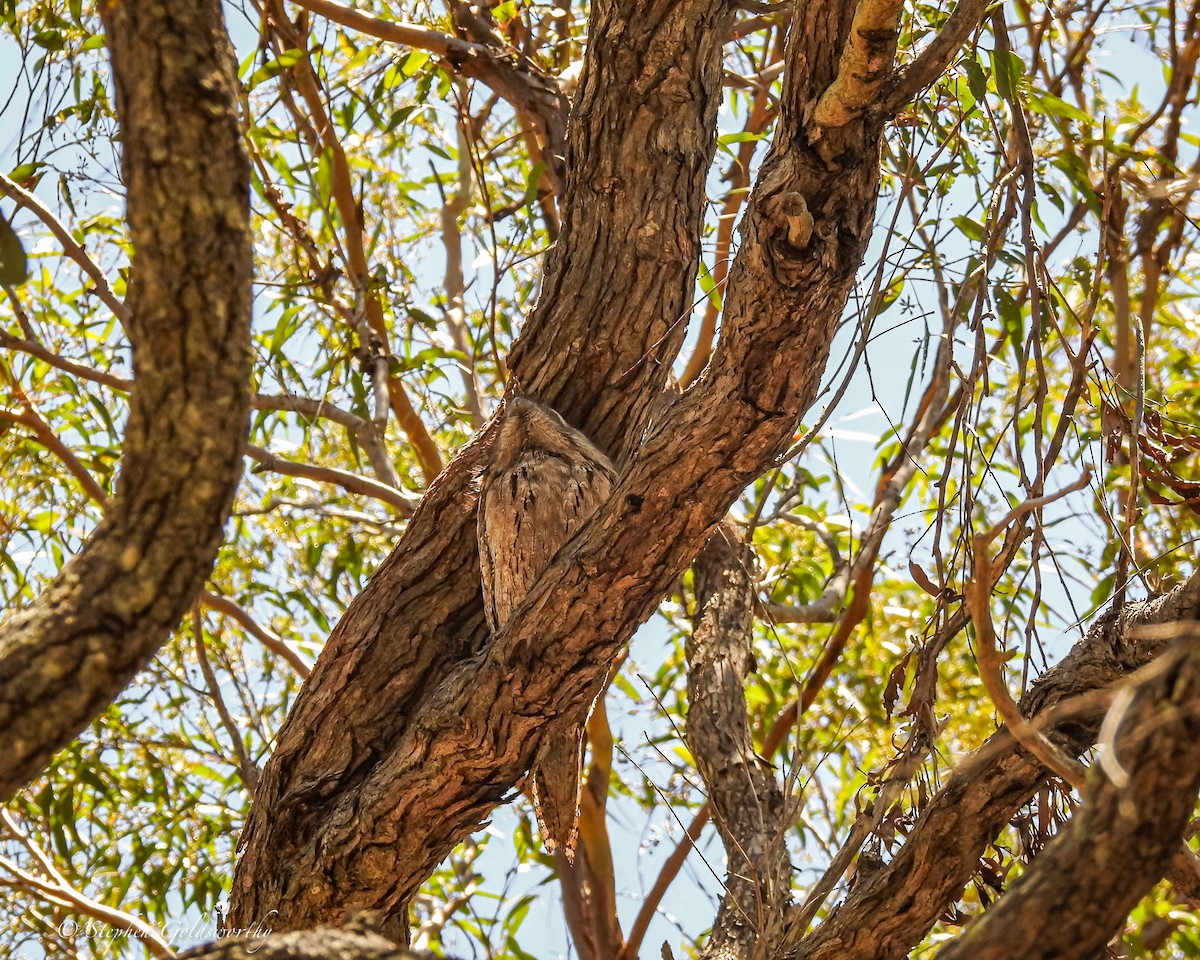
884, 313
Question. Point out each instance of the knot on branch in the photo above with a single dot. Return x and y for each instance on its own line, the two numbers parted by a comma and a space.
797, 219
787, 231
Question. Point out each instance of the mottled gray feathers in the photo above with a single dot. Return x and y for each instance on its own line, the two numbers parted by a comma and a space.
543, 481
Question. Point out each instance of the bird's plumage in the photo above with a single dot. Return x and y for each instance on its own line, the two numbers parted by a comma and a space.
543, 481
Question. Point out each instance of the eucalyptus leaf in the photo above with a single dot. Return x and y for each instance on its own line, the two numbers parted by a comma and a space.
14, 265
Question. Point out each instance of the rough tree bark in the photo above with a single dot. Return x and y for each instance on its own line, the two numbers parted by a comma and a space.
746, 797
414, 724
65, 658
887, 916
649, 96
321, 943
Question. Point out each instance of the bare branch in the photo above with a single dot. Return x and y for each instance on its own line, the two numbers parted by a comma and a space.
882, 918
312, 408
822, 610
82, 371
978, 592
745, 795
353, 482
354, 241
369, 435
932, 62
72, 249
46, 436
532, 93
271, 641
454, 286
63, 659
666, 876
59, 891
306, 406
408, 34
245, 765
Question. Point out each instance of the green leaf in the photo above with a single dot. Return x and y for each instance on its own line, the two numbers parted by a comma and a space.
52, 40
1049, 104
323, 181
274, 67
976, 79
398, 117
1013, 320
709, 285
891, 294
505, 11
25, 172
414, 62
961, 90
14, 267
532, 184
741, 137
1009, 69
43, 521
973, 229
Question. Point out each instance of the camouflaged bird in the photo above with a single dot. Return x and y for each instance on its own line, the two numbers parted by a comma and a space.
543, 481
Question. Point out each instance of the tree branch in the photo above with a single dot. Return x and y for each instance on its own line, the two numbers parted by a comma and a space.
882, 919
58, 891
79, 370
352, 482
746, 798
350, 942
420, 615
453, 724
866, 63
932, 62
37, 425
354, 241
73, 250
1075, 896
246, 766
978, 593
274, 643
74, 649
313, 409
46, 436
533, 94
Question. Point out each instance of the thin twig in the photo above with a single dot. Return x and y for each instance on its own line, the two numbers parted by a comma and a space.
353, 482
58, 891
271, 641
977, 592
247, 767
72, 249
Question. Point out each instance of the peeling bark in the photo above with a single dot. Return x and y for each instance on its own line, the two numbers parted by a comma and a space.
67, 656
